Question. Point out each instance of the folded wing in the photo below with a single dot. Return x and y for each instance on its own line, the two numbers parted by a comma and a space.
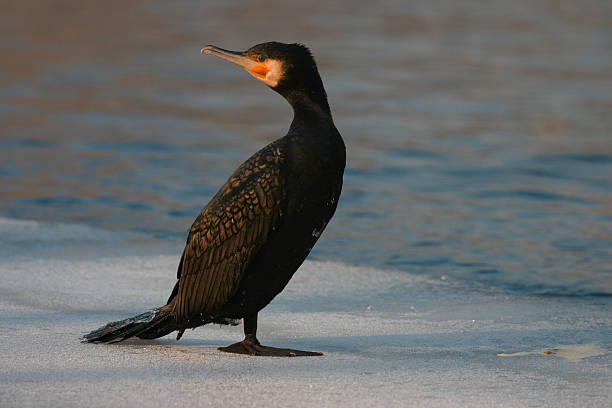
227, 234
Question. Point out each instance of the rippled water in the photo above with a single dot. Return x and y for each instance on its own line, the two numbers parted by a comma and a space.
478, 133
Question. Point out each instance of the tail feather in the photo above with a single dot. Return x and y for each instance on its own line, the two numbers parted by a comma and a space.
149, 325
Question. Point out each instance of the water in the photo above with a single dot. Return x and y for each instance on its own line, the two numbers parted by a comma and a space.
478, 133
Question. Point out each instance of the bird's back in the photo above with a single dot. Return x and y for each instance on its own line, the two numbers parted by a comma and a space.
257, 230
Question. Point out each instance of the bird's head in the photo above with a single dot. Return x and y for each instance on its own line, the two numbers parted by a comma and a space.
289, 69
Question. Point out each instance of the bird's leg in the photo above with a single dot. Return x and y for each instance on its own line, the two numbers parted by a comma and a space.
250, 345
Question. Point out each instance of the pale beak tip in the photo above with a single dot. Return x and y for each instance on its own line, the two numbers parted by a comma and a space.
207, 49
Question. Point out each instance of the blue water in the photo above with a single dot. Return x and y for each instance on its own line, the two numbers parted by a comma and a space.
478, 134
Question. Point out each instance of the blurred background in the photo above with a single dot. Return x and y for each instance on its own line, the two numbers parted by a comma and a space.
478, 133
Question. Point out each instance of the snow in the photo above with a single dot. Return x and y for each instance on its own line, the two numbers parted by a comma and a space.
389, 338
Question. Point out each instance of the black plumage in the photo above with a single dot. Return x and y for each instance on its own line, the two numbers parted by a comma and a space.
252, 236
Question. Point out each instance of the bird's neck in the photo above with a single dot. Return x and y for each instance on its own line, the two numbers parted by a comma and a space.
309, 107
306, 95
308, 102
307, 114
313, 134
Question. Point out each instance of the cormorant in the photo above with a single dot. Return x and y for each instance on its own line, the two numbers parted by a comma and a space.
252, 236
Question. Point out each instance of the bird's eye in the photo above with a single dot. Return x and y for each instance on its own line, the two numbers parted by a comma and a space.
262, 58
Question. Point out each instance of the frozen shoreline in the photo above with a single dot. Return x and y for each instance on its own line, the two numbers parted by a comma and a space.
389, 338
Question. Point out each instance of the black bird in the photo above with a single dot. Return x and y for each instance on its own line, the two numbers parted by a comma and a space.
252, 236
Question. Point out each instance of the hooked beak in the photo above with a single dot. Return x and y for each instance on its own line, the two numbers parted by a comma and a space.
258, 69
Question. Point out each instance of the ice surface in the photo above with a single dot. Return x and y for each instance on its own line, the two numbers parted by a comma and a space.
389, 338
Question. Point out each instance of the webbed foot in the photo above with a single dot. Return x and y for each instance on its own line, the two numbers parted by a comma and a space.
251, 346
